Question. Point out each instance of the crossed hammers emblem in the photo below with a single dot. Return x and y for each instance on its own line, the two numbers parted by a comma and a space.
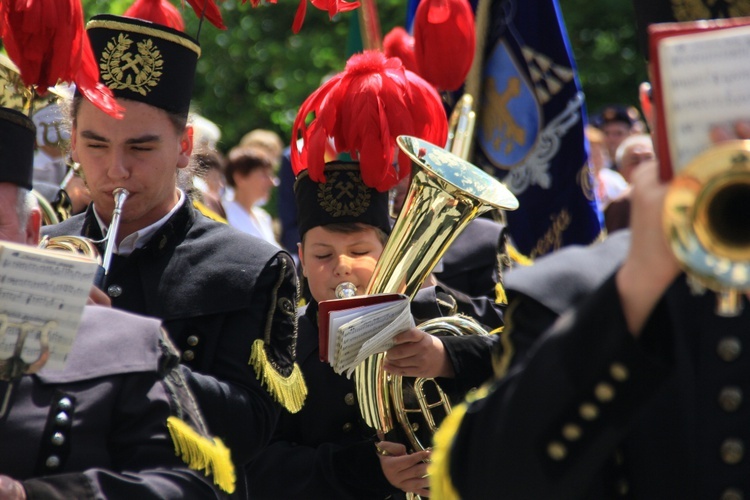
132, 63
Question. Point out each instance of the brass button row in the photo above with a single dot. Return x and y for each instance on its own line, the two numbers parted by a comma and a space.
604, 392
729, 348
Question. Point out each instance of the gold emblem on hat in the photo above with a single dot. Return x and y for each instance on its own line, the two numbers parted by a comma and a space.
343, 194
124, 69
691, 10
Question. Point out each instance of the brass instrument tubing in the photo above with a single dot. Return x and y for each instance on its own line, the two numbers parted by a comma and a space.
120, 194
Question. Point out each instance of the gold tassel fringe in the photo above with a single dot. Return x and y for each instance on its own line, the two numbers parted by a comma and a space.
202, 453
289, 391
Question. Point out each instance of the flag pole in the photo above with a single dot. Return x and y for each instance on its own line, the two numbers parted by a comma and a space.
473, 83
372, 38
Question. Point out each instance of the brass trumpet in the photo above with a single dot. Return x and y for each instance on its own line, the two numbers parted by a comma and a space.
706, 221
446, 193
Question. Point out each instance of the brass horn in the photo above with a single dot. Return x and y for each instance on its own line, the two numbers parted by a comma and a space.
706, 214
446, 193
87, 246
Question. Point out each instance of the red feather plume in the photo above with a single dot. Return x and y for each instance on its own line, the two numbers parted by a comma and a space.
46, 39
209, 9
363, 110
444, 41
333, 7
399, 43
157, 11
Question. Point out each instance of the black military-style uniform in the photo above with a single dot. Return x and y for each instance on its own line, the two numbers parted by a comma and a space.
98, 428
471, 264
592, 412
326, 450
217, 291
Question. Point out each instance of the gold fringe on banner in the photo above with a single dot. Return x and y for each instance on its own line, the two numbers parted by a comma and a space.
202, 453
289, 391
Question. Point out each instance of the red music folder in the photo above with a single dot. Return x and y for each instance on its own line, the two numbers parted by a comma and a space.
700, 76
358, 306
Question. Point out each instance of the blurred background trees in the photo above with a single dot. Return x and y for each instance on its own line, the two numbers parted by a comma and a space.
257, 72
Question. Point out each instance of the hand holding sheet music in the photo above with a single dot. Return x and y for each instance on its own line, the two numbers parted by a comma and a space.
351, 330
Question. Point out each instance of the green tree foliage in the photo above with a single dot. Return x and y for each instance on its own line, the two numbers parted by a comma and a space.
610, 63
257, 72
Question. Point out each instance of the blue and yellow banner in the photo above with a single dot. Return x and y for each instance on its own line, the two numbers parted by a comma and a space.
530, 129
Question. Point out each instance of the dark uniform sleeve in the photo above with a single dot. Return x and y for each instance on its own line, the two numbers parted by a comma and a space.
329, 471
143, 464
245, 392
470, 355
550, 424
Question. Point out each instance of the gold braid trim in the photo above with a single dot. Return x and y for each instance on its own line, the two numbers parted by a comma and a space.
501, 363
202, 453
439, 470
175, 38
441, 486
203, 208
289, 391
517, 256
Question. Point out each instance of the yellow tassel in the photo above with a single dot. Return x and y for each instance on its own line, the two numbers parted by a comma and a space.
500, 296
289, 391
517, 256
203, 453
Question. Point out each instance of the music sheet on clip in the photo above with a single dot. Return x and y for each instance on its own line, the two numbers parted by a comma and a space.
41, 288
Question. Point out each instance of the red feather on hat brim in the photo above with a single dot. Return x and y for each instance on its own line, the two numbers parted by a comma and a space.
333, 7
46, 39
157, 11
363, 110
208, 9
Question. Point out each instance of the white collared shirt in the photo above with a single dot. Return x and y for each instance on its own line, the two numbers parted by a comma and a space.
140, 238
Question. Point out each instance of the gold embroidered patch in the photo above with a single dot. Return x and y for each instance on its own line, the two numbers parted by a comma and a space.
124, 69
343, 194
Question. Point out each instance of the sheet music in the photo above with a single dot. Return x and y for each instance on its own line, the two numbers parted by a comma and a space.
37, 287
706, 82
374, 330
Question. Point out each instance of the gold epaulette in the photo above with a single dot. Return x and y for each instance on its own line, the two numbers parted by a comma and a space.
209, 455
289, 391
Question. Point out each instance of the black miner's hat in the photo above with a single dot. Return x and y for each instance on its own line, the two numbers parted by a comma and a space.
144, 61
17, 134
342, 198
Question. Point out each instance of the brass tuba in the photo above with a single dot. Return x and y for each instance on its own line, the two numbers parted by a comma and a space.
706, 214
446, 193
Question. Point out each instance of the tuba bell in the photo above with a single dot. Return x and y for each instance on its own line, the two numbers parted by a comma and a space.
706, 214
445, 194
